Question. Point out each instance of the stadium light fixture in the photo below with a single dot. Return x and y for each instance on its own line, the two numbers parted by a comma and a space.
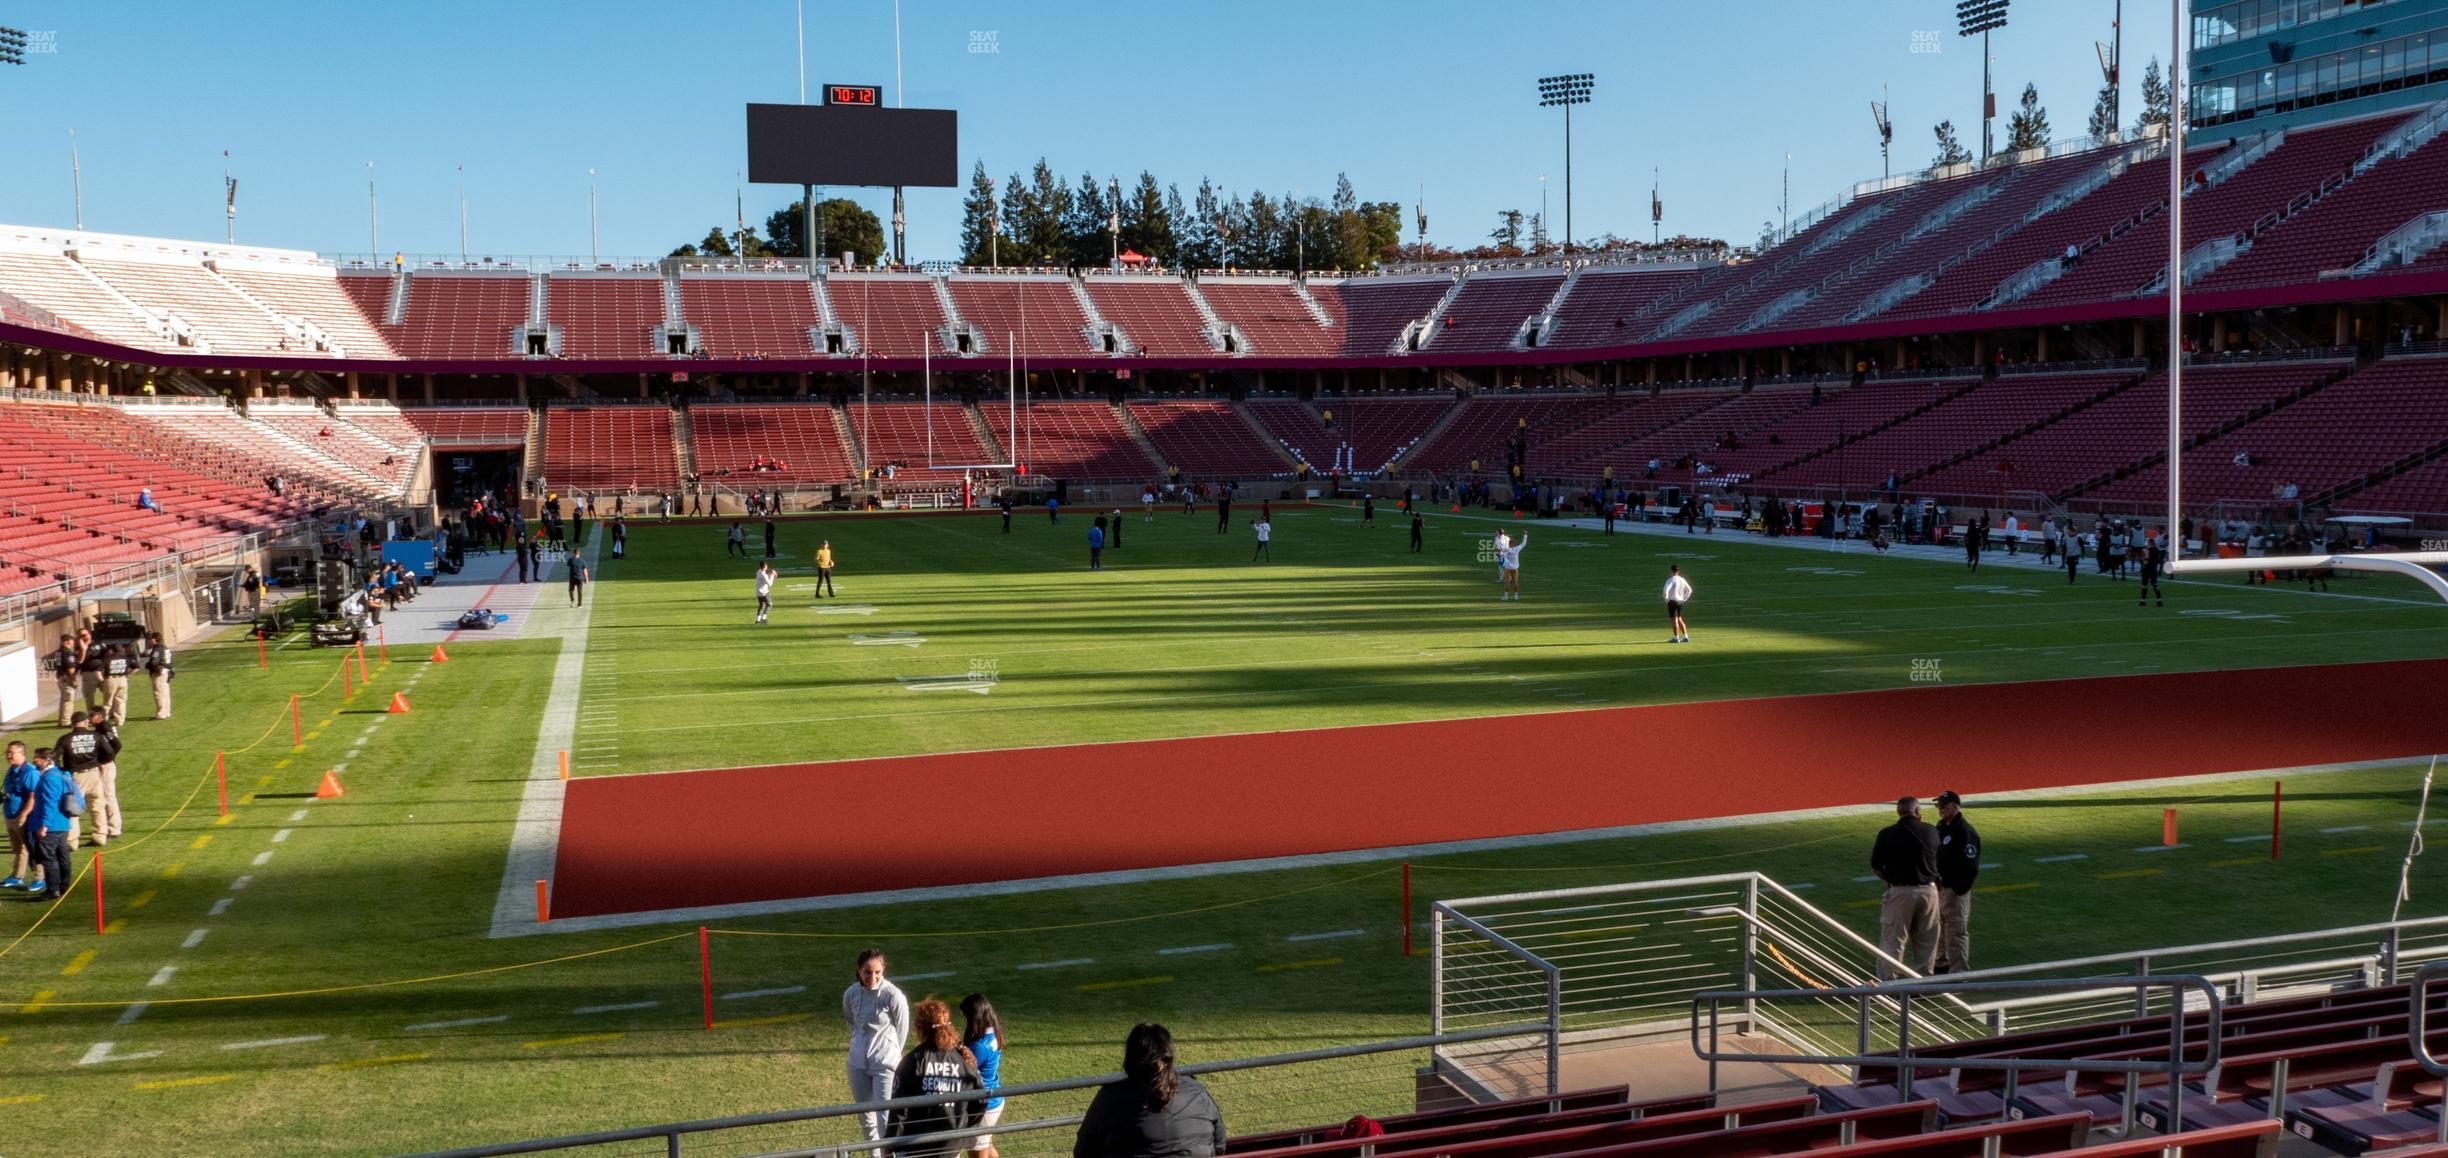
1980, 18
12, 45
1567, 90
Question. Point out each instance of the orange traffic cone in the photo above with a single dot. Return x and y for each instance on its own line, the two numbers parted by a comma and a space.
330, 787
439, 655
399, 703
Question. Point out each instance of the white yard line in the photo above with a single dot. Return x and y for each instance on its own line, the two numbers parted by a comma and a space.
533, 838
746, 994
194, 939
458, 1024
268, 1042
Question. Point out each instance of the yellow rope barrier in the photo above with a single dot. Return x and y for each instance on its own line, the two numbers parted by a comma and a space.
366, 985
1578, 868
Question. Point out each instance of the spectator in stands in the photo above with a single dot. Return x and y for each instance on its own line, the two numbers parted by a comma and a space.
1154, 1111
1905, 856
157, 660
936, 1064
144, 499
1958, 867
982, 1037
878, 1017
2073, 255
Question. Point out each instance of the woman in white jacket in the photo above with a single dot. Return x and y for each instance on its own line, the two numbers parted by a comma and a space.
878, 1016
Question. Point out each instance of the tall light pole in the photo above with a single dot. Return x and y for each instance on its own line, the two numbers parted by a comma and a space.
2179, 96
1113, 222
1980, 18
1886, 130
1542, 212
1568, 90
592, 259
373, 217
76, 181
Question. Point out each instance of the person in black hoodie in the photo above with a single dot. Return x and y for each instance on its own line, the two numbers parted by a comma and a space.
1958, 866
1153, 1112
935, 1065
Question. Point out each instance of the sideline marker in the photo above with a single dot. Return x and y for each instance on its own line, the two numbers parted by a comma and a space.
261, 660
2277, 795
97, 875
221, 778
565, 763
439, 655
347, 690
1406, 908
330, 787
382, 643
297, 730
543, 902
2167, 827
399, 703
361, 668
705, 975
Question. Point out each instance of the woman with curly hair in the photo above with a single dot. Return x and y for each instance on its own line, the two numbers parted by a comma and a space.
935, 1064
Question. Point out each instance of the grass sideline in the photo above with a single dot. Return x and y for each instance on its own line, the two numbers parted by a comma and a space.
1181, 636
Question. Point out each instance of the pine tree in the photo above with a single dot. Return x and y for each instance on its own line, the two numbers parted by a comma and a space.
2154, 99
977, 219
1233, 233
2028, 128
1348, 248
1202, 246
1508, 232
1084, 226
1381, 227
2103, 114
1147, 219
1262, 223
1950, 150
1048, 205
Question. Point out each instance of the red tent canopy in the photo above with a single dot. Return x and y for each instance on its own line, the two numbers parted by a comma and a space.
1133, 257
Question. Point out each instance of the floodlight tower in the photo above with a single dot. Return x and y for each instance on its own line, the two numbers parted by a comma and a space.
12, 45
1886, 131
1980, 18
1568, 90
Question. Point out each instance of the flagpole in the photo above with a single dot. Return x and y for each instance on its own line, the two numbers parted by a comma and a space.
229, 203
76, 181
463, 215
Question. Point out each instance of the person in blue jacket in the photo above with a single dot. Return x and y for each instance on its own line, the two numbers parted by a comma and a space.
46, 818
982, 1036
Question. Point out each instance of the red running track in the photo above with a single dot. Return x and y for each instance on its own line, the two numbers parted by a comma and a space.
801, 830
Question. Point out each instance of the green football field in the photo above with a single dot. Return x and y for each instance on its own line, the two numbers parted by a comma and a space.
344, 997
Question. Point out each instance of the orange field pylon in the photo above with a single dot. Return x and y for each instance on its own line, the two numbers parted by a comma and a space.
330, 787
439, 655
399, 703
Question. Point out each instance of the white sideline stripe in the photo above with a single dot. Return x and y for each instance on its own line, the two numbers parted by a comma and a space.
220, 906
101, 1052
1065, 963
1866, 879
707, 913
133, 1012
745, 994
2061, 859
242, 882
301, 1039
462, 1022
162, 977
370, 727
1802, 886
535, 835
2248, 838
262, 857
296, 816
1178, 950
194, 939
2348, 828
281, 835
1327, 936
924, 976
2164, 847
619, 1008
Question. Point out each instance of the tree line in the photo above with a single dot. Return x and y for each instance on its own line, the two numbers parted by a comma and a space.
1039, 219
2027, 127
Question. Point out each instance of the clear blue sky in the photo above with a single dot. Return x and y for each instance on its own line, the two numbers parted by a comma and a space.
1272, 94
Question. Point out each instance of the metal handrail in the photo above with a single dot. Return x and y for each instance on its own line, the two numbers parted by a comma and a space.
2415, 1028
1901, 994
672, 1132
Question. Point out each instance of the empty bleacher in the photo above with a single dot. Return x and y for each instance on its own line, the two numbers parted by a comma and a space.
318, 296
1037, 312
894, 316
384, 423
1483, 426
726, 439
898, 432
750, 315
1207, 439
342, 444
2143, 184
1634, 417
2388, 410
1079, 440
471, 427
1375, 310
2011, 402
461, 316
230, 324
1815, 429
1154, 312
1829, 247
1378, 430
2332, 233
59, 285
604, 315
1603, 306
254, 446
1700, 432
1270, 313
605, 448
1490, 310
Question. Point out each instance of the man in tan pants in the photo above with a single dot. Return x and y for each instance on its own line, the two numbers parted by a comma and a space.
1906, 857
64, 677
157, 665
117, 665
1958, 866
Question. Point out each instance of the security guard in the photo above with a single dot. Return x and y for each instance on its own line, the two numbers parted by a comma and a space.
117, 664
1906, 858
64, 676
91, 659
81, 752
1958, 866
157, 665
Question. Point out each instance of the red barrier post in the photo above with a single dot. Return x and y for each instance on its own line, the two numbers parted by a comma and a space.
347, 691
2167, 827
543, 903
297, 731
565, 763
382, 643
2276, 796
97, 876
221, 779
705, 974
261, 660
1406, 908
361, 668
